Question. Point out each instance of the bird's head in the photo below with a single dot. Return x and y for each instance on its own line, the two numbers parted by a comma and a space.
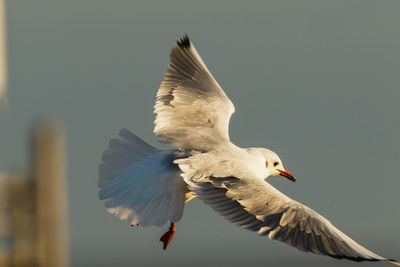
272, 165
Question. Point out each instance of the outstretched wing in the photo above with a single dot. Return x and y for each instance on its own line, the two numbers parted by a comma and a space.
256, 205
192, 110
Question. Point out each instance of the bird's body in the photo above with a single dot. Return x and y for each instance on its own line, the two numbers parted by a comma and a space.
147, 186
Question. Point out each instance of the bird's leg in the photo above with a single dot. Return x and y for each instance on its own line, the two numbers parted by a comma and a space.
167, 237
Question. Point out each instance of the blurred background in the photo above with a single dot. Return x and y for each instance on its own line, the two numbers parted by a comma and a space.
316, 81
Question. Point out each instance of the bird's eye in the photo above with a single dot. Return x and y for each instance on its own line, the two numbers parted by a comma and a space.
266, 164
276, 163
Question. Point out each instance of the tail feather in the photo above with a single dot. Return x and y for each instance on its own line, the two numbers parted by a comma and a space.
135, 141
140, 183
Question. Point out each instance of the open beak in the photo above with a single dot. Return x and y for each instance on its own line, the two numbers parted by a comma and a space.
288, 175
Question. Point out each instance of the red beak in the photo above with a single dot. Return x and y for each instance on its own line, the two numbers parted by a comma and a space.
288, 175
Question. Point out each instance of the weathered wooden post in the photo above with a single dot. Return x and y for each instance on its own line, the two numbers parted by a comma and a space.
3, 64
22, 219
5, 226
51, 194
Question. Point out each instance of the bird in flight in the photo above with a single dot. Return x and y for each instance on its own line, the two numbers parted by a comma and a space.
147, 186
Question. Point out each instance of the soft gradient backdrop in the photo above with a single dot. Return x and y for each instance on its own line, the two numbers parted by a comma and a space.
316, 81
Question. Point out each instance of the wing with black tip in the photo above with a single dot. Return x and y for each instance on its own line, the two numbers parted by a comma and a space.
192, 110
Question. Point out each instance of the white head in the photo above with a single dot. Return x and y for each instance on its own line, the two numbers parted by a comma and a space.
269, 164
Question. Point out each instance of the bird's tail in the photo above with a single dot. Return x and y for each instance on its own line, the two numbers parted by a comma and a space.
140, 182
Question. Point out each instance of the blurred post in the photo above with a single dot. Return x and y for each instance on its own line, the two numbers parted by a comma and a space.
23, 223
5, 231
3, 60
51, 186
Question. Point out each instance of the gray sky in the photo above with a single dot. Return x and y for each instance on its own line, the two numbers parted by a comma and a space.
316, 81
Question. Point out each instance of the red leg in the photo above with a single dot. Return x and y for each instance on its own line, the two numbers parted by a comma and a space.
167, 237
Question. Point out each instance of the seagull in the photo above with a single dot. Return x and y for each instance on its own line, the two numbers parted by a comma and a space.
147, 186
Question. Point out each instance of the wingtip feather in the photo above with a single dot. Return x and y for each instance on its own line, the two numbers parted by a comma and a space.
184, 42
393, 262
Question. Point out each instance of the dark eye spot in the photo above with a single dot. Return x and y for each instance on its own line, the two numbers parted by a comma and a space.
266, 164
276, 163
